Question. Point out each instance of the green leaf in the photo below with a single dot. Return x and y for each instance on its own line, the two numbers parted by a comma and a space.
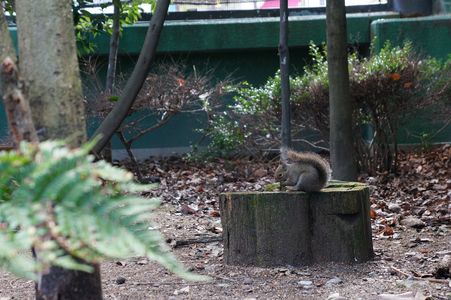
73, 211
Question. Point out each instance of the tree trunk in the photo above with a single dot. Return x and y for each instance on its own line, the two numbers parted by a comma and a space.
6, 44
114, 46
296, 228
341, 107
70, 285
285, 74
49, 67
106, 152
115, 118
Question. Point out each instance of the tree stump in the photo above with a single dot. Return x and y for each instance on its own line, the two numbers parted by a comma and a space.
296, 228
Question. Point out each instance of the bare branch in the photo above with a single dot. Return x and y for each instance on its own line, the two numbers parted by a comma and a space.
115, 118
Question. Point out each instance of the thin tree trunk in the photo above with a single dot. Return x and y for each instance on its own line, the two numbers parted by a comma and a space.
341, 107
284, 74
114, 46
115, 118
106, 152
49, 67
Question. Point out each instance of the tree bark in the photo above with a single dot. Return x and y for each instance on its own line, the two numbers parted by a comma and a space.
106, 152
115, 118
285, 74
114, 46
49, 67
17, 108
296, 228
341, 107
6, 44
70, 285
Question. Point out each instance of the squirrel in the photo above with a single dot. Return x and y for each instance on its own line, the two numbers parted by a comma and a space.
302, 171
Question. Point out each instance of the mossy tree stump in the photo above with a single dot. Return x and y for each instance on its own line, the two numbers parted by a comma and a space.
296, 228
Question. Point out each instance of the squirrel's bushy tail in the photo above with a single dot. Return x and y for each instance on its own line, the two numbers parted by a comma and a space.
309, 158
315, 160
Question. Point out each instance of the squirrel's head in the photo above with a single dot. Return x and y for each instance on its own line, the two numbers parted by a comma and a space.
281, 172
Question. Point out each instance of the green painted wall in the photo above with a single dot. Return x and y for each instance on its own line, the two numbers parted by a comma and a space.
431, 36
238, 34
246, 49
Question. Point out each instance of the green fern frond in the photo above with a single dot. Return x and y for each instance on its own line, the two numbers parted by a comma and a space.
10, 247
74, 212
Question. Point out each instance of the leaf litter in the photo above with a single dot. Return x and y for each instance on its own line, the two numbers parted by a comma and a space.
411, 225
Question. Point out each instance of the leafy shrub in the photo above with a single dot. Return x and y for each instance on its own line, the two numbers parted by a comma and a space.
71, 210
385, 88
226, 137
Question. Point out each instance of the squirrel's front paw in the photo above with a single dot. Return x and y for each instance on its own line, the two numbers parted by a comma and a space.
291, 188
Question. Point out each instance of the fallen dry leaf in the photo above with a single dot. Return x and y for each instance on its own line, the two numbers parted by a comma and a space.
388, 230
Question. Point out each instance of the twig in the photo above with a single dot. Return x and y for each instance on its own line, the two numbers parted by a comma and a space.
316, 147
442, 128
166, 117
127, 146
445, 125
224, 278
435, 296
434, 280
202, 240
156, 284
6, 147
217, 278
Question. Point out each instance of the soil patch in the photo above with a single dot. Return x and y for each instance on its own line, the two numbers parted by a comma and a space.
411, 235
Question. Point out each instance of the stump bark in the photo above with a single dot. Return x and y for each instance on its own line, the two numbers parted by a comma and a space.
297, 228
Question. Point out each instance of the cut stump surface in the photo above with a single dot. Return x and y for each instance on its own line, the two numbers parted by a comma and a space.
297, 228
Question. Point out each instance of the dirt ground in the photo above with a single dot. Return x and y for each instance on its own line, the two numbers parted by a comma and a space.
407, 255
408, 251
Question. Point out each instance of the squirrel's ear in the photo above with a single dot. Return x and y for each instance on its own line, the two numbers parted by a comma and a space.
284, 166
